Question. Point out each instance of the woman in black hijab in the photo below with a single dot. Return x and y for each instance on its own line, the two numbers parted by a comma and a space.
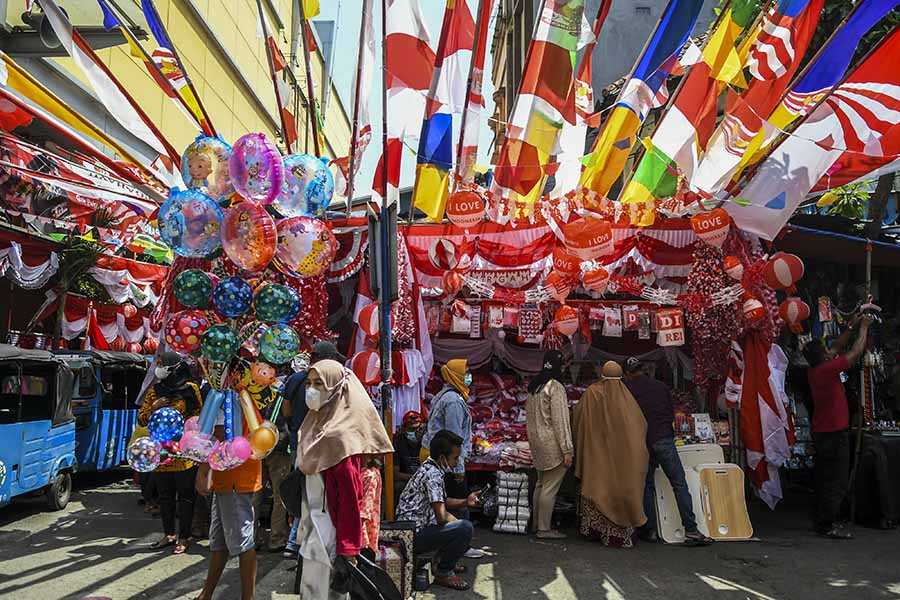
550, 438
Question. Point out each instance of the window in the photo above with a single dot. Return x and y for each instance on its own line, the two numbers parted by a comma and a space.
115, 388
37, 393
87, 385
9, 394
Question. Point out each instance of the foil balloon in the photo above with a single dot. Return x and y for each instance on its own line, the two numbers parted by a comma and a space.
232, 297
263, 440
307, 186
192, 424
204, 165
306, 247
197, 445
165, 425
262, 373
219, 343
256, 169
192, 288
249, 236
240, 448
144, 454
189, 223
279, 344
275, 303
185, 329
222, 458
250, 334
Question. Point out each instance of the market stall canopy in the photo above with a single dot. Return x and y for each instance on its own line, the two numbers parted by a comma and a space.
837, 247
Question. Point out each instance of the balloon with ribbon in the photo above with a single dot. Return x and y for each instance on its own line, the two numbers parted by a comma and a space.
192, 288
306, 247
151, 345
565, 319
712, 227
185, 329
465, 209
204, 165
232, 297
588, 238
782, 271
307, 187
144, 454
165, 425
256, 169
249, 236
189, 222
794, 311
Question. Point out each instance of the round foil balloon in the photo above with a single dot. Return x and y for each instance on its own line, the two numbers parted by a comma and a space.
223, 457
307, 187
197, 446
250, 334
189, 223
256, 169
144, 454
232, 297
184, 330
165, 425
249, 236
306, 247
219, 343
279, 344
192, 288
263, 440
276, 303
204, 165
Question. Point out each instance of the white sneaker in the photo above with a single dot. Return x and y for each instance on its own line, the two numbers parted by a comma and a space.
474, 553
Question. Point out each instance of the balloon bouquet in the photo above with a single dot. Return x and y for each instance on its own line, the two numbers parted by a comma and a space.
271, 221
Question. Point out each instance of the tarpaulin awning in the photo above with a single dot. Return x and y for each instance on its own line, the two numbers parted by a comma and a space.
836, 247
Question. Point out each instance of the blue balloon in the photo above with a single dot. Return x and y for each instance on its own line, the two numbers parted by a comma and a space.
165, 425
307, 186
189, 223
232, 297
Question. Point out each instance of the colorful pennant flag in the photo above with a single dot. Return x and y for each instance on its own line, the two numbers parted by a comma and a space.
640, 94
446, 98
856, 117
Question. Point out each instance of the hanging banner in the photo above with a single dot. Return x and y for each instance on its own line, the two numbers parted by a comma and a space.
670, 327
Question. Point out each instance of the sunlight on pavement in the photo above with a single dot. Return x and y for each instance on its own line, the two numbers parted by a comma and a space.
559, 588
612, 589
486, 585
719, 584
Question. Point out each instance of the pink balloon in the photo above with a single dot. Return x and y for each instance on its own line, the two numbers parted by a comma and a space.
256, 168
240, 448
192, 424
222, 459
198, 445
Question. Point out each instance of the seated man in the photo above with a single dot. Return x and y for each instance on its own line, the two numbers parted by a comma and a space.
425, 502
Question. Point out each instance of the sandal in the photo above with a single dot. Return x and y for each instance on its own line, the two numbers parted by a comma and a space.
453, 582
458, 569
181, 546
165, 542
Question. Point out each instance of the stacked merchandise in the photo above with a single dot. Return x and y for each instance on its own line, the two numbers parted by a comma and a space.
513, 510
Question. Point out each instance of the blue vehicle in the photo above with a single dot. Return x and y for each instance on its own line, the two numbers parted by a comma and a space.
103, 400
37, 427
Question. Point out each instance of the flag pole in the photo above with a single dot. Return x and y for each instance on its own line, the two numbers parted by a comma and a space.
469, 82
351, 175
271, 60
310, 92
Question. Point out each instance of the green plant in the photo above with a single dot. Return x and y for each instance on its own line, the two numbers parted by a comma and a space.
851, 201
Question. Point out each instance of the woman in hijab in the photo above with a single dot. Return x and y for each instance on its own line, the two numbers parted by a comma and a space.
610, 433
173, 389
550, 439
340, 431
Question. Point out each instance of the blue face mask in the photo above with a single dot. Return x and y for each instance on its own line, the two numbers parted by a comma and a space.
467, 379
412, 436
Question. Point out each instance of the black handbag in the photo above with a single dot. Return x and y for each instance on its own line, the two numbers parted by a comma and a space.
292, 492
363, 581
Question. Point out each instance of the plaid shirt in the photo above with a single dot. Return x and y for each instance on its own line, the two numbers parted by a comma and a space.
424, 488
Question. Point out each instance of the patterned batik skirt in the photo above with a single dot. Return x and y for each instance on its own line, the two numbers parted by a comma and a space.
593, 525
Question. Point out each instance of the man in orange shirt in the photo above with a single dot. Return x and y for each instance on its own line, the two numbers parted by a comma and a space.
232, 521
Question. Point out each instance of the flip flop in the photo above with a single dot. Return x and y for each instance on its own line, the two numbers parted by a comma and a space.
181, 547
163, 543
454, 582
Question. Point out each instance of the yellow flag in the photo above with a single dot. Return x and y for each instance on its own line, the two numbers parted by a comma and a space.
310, 8
720, 52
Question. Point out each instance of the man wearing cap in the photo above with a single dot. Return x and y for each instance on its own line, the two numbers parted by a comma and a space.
656, 403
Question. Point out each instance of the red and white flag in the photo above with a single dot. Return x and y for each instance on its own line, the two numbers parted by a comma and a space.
472, 127
362, 85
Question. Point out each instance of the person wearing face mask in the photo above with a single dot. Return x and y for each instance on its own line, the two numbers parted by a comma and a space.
340, 431
175, 479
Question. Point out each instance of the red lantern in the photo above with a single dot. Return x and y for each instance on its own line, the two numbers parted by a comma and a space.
135, 347
129, 311
558, 285
782, 271
596, 279
453, 282
712, 227
565, 262
588, 238
368, 320
753, 310
566, 320
366, 365
118, 344
465, 209
794, 311
151, 345
734, 268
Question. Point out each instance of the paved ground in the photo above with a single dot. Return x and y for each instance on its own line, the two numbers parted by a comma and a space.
98, 547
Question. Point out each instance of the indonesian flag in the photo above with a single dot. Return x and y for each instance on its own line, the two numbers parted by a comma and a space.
472, 126
113, 97
363, 85
861, 118
94, 339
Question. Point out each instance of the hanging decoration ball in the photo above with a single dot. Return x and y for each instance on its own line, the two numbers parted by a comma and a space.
232, 297
144, 454
783, 270
250, 334
189, 223
595, 279
445, 255
453, 282
558, 286
165, 425
151, 345
306, 247
588, 238
134, 348
184, 330
249, 236
262, 373
256, 169
366, 365
129, 310
279, 344
307, 186
712, 227
263, 440
565, 262
204, 165
465, 209
566, 320
192, 288
753, 310
794, 311
219, 343
368, 320
734, 268
118, 344
276, 303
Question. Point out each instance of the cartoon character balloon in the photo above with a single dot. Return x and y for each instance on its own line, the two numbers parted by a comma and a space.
232, 297
192, 288
307, 187
276, 303
250, 335
306, 247
249, 236
189, 223
184, 330
279, 344
204, 165
256, 169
